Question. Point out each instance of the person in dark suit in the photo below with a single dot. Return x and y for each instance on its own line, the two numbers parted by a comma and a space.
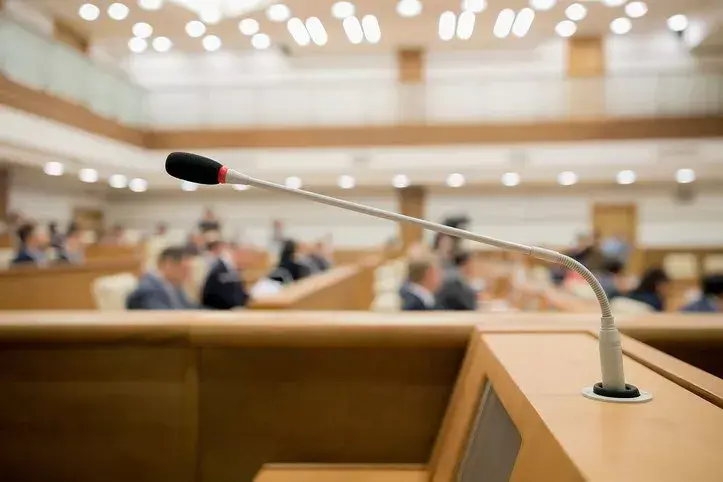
224, 288
456, 293
711, 301
423, 278
32, 244
317, 258
651, 289
288, 268
163, 289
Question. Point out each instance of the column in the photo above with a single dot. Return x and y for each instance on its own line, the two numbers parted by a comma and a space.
410, 75
67, 34
412, 202
586, 72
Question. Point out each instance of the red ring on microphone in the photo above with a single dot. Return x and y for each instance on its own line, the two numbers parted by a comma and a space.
222, 175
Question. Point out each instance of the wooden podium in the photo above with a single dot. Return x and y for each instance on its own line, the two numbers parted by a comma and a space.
355, 397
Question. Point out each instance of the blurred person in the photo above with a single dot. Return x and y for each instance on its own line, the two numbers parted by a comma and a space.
163, 289
423, 279
456, 292
196, 243
224, 288
711, 300
56, 238
616, 247
31, 247
214, 251
276, 243
288, 268
72, 249
317, 257
161, 230
652, 289
114, 236
209, 222
610, 277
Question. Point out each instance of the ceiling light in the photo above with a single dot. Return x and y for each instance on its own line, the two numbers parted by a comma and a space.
293, 182
372, 32
685, 176
278, 13
341, 10
260, 41
211, 43
117, 181
150, 4
317, 31
503, 25
621, 25
162, 44
523, 22
614, 3
510, 179
142, 30
248, 26
241, 187
298, 31
447, 24
138, 185
409, 8
626, 177
576, 12
195, 28
88, 175
542, 5
455, 180
53, 168
678, 23
188, 186
346, 182
636, 9
465, 25
567, 178
118, 11
137, 45
89, 12
400, 181
474, 6
353, 30
566, 28
210, 15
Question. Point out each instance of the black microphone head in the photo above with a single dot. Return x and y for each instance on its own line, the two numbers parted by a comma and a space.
193, 168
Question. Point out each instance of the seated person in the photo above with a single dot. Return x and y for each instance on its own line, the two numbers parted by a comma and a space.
214, 251
71, 250
162, 289
224, 288
609, 277
651, 289
317, 258
32, 246
196, 243
456, 292
711, 300
288, 268
423, 278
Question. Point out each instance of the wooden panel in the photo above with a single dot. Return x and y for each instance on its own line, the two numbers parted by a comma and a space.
341, 473
612, 219
412, 202
100, 251
4, 192
71, 37
585, 57
411, 66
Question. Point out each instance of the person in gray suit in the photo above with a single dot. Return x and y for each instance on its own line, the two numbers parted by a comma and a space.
456, 293
162, 289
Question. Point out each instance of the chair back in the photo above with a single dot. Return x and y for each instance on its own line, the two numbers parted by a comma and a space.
681, 266
110, 292
626, 306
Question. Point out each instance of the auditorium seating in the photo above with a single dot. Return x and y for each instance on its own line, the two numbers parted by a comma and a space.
110, 292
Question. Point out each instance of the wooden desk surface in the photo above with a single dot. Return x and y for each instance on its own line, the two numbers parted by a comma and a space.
341, 473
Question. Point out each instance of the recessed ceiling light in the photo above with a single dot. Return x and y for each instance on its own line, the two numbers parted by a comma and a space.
88, 175
260, 41
503, 25
523, 22
400, 181
455, 180
566, 28
372, 32
162, 44
248, 26
293, 182
117, 181
298, 31
567, 178
195, 28
142, 30
447, 25
465, 25
626, 177
89, 12
118, 11
210, 15
241, 187
211, 43
474, 6
150, 4
409, 8
614, 3
636, 9
137, 45
353, 30
346, 182
138, 185
685, 176
621, 26
678, 23
576, 12
53, 168
316, 31
341, 10
542, 5
278, 13
510, 179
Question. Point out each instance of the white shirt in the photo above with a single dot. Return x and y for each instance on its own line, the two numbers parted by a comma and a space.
422, 293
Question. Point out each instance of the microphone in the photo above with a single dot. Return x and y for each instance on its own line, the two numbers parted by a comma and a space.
202, 170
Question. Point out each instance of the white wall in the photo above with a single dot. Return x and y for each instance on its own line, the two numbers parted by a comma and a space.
44, 205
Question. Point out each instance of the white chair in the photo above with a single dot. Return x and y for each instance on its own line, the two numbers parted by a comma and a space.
681, 266
110, 292
582, 290
132, 236
388, 302
713, 264
627, 306
154, 246
6, 257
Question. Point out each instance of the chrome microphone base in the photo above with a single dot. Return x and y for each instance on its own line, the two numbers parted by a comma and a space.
630, 394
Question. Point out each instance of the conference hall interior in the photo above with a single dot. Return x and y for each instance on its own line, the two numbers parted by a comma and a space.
361, 241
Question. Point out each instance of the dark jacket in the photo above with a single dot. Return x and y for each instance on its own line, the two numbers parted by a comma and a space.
319, 263
651, 299
296, 271
456, 294
702, 305
153, 293
224, 288
411, 301
24, 257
